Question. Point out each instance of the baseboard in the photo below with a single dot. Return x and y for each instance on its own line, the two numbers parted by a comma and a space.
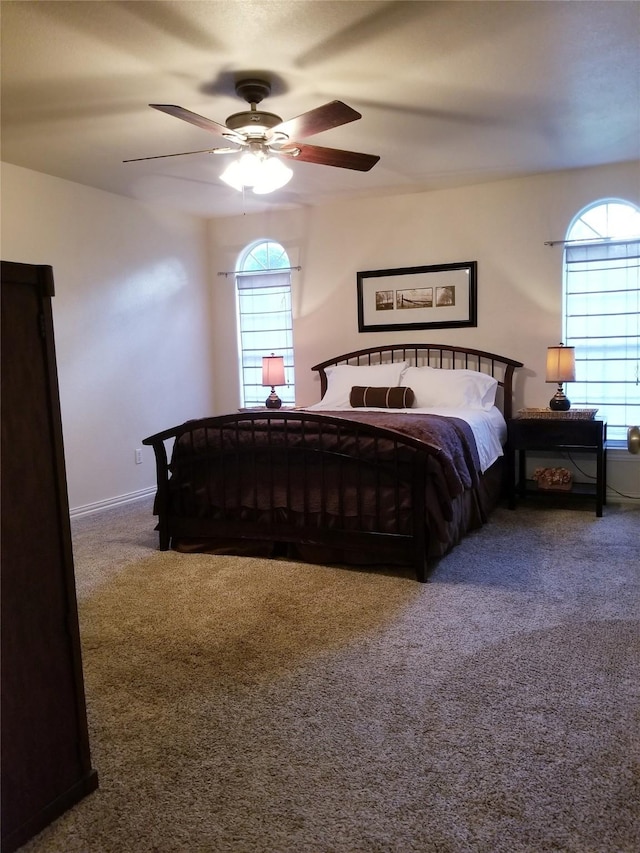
615, 499
98, 506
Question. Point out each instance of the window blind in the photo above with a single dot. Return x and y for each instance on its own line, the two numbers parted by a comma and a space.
602, 322
259, 280
265, 327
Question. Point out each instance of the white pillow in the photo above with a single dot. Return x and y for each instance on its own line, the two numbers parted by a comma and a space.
452, 389
342, 378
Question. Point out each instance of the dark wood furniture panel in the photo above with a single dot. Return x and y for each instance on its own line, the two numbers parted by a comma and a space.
44, 740
557, 435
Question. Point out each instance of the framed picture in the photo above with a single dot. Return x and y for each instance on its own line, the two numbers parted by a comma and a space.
440, 296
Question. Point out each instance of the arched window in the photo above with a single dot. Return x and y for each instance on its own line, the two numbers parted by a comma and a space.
263, 288
602, 311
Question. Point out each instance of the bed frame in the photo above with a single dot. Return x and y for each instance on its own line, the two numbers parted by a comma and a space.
435, 355
310, 480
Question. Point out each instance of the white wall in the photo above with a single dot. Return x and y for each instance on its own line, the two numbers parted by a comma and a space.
136, 290
501, 225
131, 316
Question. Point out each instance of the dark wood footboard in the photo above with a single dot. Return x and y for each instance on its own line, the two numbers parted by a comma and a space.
294, 476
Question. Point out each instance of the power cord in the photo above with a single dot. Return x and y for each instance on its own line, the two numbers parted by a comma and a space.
568, 456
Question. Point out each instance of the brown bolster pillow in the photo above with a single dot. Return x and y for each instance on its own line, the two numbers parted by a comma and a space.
381, 398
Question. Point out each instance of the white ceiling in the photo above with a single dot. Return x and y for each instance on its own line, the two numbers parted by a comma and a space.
451, 93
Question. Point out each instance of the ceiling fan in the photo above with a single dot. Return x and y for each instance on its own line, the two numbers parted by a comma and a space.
261, 134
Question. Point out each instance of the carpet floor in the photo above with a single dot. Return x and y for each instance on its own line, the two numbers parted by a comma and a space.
254, 706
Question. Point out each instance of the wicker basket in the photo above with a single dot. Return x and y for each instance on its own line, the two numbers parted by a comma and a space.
570, 414
553, 479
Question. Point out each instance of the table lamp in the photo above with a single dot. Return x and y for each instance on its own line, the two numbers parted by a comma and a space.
561, 367
273, 374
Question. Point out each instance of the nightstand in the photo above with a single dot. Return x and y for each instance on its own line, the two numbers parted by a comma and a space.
561, 434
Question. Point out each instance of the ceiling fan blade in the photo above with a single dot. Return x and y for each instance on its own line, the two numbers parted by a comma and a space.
314, 121
331, 157
184, 154
198, 120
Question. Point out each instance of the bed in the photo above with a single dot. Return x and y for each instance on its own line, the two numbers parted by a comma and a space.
400, 459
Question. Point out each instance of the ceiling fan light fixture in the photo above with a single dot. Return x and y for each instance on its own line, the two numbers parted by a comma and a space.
273, 175
257, 170
252, 123
263, 134
243, 172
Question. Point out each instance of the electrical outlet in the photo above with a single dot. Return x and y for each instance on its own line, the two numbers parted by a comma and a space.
138, 456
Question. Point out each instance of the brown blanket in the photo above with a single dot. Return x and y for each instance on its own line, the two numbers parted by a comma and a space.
199, 477
301, 483
449, 440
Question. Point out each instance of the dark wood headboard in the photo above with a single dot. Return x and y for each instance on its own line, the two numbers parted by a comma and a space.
434, 355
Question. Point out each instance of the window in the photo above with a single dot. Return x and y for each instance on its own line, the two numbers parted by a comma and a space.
263, 288
602, 311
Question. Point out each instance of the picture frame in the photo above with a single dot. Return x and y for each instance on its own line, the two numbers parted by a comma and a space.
438, 296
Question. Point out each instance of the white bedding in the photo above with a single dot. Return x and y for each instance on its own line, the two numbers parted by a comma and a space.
489, 427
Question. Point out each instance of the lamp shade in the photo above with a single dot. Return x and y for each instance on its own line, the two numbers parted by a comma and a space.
243, 172
257, 169
273, 370
561, 364
273, 175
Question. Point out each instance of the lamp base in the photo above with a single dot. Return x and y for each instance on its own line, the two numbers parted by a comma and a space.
273, 401
559, 402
